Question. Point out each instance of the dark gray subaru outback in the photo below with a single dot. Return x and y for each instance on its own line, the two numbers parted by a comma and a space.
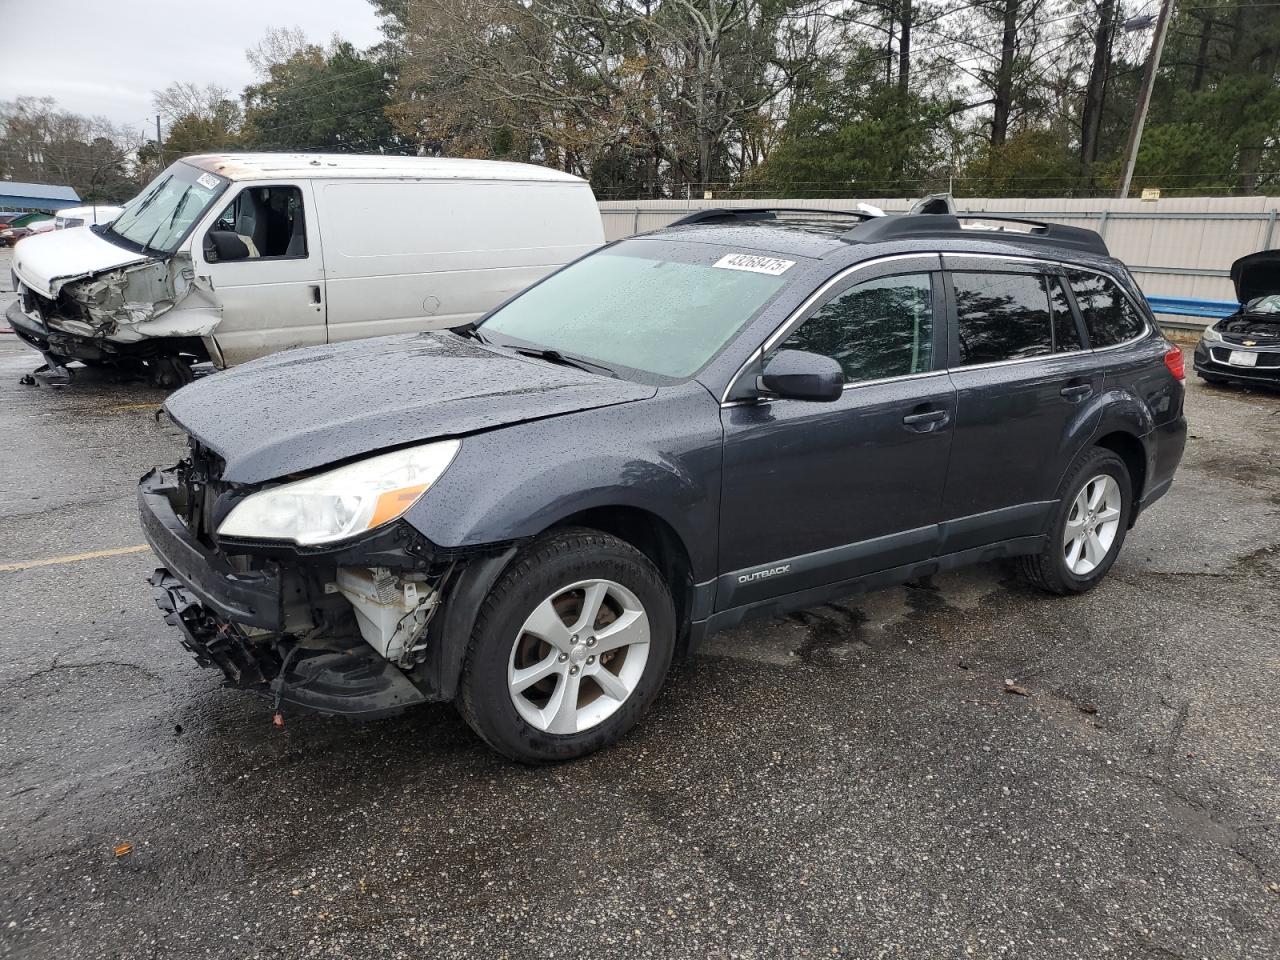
748, 412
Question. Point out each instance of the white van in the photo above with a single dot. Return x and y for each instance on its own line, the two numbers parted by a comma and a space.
85, 216
231, 256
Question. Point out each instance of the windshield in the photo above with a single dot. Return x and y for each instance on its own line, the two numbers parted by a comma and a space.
158, 218
655, 306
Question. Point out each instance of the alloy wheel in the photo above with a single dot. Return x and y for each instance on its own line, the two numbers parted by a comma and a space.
578, 656
1092, 524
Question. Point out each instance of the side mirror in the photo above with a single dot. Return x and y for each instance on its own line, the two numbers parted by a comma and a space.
223, 245
801, 375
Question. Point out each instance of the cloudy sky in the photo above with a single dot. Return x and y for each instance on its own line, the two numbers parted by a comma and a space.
106, 56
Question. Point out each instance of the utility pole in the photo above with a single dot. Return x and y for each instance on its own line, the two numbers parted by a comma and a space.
1144, 98
159, 148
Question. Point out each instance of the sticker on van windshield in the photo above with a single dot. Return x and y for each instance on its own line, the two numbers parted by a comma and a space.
207, 180
749, 261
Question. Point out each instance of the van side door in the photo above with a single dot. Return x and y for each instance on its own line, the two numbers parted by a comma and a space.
1023, 378
261, 255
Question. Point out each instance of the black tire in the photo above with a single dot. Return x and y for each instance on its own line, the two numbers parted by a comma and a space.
1048, 569
551, 562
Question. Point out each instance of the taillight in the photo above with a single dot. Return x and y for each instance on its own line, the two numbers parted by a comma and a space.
1173, 360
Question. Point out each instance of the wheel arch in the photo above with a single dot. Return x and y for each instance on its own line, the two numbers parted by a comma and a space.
1129, 448
658, 540
645, 530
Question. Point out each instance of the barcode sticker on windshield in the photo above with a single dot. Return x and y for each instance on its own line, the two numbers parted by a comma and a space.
207, 180
749, 261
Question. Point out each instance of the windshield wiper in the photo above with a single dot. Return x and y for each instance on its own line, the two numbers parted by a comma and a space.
471, 331
173, 217
555, 356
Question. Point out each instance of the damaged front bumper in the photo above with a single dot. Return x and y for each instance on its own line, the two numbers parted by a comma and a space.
297, 629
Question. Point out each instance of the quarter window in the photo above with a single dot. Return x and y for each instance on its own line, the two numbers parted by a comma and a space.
877, 329
1109, 316
1001, 316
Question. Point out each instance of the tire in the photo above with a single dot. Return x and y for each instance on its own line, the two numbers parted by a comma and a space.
524, 630
1061, 569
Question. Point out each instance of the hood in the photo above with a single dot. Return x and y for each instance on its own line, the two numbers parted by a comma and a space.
1256, 275
47, 261
309, 408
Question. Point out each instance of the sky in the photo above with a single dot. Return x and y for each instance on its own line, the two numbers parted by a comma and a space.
105, 57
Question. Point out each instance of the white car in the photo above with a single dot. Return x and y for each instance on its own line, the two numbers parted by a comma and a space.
228, 257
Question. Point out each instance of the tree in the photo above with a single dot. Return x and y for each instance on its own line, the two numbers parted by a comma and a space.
674, 88
42, 144
200, 120
319, 98
857, 136
1215, 117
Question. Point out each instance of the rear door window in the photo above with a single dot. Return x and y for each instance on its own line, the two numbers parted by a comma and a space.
1109, 316
877, 329
1001, 316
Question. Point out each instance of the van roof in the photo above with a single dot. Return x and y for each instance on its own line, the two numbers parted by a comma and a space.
255, 166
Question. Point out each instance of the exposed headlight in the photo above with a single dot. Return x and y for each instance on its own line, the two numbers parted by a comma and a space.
343, 502
1210, 335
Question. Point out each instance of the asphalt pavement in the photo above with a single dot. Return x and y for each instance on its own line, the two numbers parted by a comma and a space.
851, 781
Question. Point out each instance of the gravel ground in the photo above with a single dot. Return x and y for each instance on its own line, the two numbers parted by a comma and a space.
851, 781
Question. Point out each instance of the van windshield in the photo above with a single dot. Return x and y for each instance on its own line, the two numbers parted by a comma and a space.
159, 218
654, 306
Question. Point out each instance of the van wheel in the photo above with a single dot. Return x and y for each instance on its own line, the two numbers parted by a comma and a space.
1088, 528
569, 648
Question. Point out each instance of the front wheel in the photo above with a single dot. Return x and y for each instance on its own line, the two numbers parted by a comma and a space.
569, 649
1089, 525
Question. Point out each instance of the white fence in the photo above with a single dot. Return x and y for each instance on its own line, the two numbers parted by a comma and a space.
1176, 248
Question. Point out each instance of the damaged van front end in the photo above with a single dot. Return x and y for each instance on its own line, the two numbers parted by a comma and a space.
124, 293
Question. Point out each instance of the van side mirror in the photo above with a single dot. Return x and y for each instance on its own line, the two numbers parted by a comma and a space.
801, 375
223, 245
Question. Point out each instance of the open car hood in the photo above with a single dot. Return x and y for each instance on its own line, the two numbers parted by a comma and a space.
308, 408
46, 262
1256, 275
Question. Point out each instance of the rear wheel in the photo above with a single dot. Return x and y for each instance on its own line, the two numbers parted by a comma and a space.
569, 649
1089, 525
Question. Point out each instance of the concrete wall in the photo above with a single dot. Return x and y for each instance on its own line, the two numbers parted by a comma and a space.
1176, 248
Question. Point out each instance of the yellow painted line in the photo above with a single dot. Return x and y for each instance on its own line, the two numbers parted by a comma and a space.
71, 558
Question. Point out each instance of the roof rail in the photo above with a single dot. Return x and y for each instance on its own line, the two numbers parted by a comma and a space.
919, 226
760, 213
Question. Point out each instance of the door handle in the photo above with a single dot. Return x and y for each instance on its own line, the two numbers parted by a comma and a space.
926, 421
1077, 391
315, 295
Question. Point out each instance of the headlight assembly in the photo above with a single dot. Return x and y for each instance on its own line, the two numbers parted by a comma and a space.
344, 502
1210, 335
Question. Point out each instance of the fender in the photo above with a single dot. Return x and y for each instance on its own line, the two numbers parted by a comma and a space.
1111, 411
512, 483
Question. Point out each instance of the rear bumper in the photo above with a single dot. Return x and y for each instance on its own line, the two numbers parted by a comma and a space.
253, 599
1166, 444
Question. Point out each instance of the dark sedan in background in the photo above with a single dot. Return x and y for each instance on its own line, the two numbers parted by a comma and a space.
1245, 347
